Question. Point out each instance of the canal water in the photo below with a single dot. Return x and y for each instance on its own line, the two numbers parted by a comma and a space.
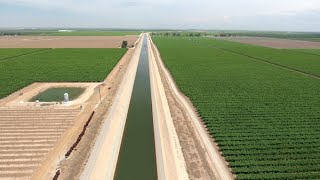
137, 159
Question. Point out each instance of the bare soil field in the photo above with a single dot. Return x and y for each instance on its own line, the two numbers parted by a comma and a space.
27, 135
34, 139
65, 41
275, 42
30, 131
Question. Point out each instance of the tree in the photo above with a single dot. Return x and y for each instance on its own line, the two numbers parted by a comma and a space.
124, 44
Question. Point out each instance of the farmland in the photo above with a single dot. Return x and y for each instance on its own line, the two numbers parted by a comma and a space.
275, 42
90, 33
311, 51
27, 135
307, 63
307, 36
314, 39
264, 117
65, 41
11, 53
55, 65
68, 32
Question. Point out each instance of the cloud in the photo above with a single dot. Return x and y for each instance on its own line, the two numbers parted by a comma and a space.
209, 14
228, 7
85, 6
293, 8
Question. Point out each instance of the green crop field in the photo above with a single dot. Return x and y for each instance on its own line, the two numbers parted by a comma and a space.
265, 118
55, 65
307, 63
312, 39
307, 36
11, 53
315, 39
310, 51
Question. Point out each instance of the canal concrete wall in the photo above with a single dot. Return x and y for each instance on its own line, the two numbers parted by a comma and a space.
170, 161
103, 158
217, 163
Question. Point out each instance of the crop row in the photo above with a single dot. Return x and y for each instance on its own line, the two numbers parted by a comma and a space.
258, 113
310, 51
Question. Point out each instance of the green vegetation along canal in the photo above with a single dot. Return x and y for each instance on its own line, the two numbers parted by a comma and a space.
137, 159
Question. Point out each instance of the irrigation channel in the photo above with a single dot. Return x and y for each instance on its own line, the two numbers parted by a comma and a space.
137, 158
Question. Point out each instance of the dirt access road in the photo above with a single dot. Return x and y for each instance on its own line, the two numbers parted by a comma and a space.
102, 161
201, 154
275, 42
72, 167
103, 158
65, 41
52, 140
184, 149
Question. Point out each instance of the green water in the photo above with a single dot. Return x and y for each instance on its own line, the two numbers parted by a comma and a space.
57, 94
137, 159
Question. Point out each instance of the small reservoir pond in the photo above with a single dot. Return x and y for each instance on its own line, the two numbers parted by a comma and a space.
56, 94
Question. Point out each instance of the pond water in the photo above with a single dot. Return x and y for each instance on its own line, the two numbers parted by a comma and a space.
56, 94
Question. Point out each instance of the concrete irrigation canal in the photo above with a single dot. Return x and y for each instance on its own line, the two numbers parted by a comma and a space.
137, 139
137, 159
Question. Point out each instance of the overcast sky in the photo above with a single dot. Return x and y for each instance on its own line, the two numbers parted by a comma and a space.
286, 15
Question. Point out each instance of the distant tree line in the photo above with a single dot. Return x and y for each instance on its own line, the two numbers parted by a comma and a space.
224, 35
10, 33
192, 34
